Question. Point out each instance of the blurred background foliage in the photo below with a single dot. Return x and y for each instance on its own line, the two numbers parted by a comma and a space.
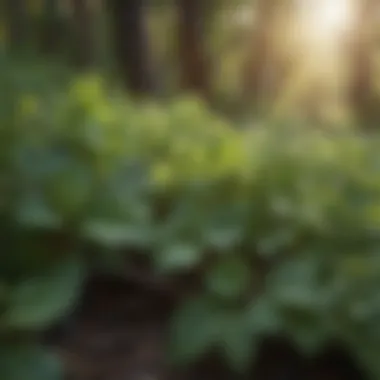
242, 55
235, 140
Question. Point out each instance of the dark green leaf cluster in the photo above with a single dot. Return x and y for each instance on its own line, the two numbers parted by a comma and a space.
283, 224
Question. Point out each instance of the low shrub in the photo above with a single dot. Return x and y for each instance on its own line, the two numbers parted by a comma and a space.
281, 223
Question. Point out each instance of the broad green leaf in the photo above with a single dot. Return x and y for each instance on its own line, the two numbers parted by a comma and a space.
237, 340
276, 242
226, 226
33, 212
116, 234
310, 338
39, 301
29, 363
196, 328
297, 283
229, 278
69, 191
178, 256
223, 237
264, 316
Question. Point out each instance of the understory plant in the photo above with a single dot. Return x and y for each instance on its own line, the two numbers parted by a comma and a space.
281, 223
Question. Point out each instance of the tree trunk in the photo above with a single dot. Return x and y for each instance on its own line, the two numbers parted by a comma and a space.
194, 63
52, 28
84, 33
130, 44
361, 95
18, 24
263, 71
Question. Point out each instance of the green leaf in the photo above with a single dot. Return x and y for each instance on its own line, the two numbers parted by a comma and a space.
33, 212
297, 283
263, 316
223, 237
310, 338
39, 301
29, 363
69, 191
226, 226
195, 330
178, 256
237, 340
116, 234
229, 278
276, 242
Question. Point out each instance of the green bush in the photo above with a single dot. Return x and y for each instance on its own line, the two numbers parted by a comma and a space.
281, 223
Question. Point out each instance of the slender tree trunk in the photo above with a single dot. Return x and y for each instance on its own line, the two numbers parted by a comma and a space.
261, 72
53, 28
131, 45
18, 24
84, 33
362, 91
194, 63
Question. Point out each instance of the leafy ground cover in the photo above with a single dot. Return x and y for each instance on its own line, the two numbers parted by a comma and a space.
273, 231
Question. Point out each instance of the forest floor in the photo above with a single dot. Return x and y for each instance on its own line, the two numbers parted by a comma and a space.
118, 332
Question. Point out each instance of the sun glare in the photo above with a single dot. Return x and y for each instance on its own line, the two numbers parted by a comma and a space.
334, 14
327, 19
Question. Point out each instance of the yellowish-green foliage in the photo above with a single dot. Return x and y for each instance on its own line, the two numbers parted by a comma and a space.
84, 161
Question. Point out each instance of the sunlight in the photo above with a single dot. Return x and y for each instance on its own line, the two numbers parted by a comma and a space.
327, 20
317, 36
333, 14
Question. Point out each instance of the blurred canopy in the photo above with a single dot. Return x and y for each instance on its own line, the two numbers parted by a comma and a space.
287, 58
